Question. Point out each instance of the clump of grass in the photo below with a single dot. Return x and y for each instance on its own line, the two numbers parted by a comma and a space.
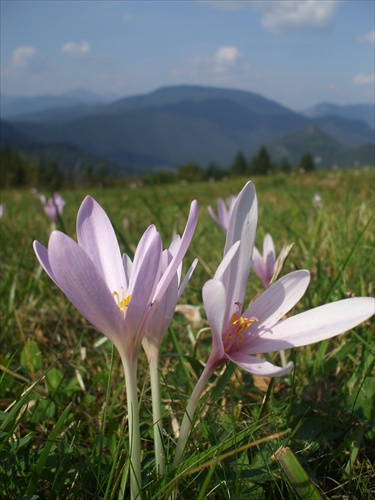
63, 421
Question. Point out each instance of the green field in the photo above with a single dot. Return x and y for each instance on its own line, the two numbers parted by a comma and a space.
63, 399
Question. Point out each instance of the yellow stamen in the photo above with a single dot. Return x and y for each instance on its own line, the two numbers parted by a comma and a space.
240, 325
124, 302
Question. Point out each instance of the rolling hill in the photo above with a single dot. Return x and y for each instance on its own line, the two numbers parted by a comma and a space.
175, 125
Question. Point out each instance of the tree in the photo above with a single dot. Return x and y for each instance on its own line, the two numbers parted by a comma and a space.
306, 162
191, 172
239, 165
261, 164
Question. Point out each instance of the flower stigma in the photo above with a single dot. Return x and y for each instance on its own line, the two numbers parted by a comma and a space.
122, 303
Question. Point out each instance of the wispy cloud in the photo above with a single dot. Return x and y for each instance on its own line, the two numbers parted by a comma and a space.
22, 57
286, 15
26, 59
76, 49
225, 58
362, 79
368, 37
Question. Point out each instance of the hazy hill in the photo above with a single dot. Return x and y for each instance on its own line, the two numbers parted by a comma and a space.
13, 107
325, 150
175, 125
363, 112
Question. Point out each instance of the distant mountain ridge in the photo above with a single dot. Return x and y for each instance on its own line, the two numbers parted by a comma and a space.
363, 112
175, 125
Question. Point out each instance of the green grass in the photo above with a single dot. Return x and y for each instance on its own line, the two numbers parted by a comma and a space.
63, 430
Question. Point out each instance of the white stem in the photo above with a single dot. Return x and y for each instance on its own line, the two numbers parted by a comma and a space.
190, 412
157, 414
130, 368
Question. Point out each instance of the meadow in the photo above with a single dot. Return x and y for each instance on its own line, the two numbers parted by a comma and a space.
63, 426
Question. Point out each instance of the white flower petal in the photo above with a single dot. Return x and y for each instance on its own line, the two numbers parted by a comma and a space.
277, 300
97, 237
214, 299
312, 326
78, 278
258, 366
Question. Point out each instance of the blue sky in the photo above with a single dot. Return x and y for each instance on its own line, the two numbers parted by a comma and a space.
296, 52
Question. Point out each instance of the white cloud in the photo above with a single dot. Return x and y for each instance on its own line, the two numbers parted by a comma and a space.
22, 57
76, 49
362, 79
288, 15
367, 37
227, 55
225, 58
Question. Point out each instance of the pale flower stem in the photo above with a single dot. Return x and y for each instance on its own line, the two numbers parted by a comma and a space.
130, 369
156, 413
283, 358
190, 412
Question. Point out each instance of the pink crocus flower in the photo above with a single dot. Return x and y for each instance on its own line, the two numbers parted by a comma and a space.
224, 211
266, 265
113, 293
240, 334
53, 207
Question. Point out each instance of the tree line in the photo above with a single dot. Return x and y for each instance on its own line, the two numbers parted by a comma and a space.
18, 170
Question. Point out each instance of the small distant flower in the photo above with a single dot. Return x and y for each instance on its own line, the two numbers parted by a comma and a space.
224, 211
317, 201
53, 207
266, 266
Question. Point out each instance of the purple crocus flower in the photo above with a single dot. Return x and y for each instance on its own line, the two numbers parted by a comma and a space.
224, 211
53, 207
113, 293
238, 333
266, 266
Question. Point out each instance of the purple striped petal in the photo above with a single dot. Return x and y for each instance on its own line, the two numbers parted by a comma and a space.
177, 258
214, 300
97, 237
76, 275
276, 301
312, 326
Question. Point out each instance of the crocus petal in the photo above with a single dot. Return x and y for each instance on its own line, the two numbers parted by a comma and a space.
140, 254
97, 237
187, 278
269, 256
78, 278
128, 266
213, 215
214, 300
258, 366
259, 267
242, 226
42, 254
177, 258
276, 301
312, 326
226, 260
143, 288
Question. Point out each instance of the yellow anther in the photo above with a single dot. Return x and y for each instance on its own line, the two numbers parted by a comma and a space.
124, 302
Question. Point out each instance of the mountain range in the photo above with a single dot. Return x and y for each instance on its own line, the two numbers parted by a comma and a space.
179, 124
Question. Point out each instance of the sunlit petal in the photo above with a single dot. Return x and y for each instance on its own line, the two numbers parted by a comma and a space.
97, 237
